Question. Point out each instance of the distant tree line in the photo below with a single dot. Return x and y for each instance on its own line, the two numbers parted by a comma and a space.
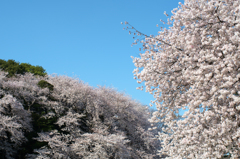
58, 117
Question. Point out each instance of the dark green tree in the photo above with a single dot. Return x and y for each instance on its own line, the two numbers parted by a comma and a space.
13, 68
44, 84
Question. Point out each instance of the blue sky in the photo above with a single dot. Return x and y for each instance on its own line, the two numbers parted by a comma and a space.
81, 38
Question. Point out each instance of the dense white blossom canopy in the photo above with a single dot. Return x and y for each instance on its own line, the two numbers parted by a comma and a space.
195, 64
69, 120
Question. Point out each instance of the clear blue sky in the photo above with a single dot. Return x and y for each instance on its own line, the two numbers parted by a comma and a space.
82, 38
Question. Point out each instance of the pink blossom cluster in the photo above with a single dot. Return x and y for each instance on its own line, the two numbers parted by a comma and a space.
195, 64
90, 122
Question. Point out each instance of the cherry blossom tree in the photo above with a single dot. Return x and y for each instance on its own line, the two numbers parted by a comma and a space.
55, 117
194, 64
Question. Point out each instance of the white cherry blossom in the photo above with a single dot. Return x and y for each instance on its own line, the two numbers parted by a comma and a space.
195, 64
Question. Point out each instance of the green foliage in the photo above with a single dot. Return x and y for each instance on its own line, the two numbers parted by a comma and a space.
39, 124
29, 146
13, 67
44, 84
